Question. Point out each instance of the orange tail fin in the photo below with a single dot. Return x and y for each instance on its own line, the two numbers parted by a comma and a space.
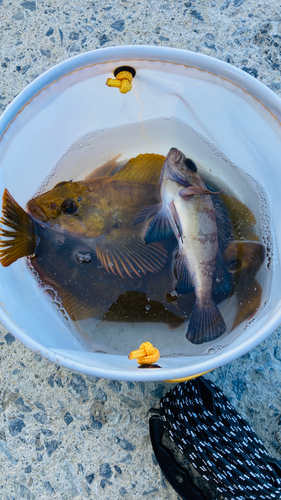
20, 237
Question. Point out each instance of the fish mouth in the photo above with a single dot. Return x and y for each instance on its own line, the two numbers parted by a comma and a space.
36, 212
175, 154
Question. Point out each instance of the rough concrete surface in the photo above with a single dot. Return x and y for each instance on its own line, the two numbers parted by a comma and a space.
64, 435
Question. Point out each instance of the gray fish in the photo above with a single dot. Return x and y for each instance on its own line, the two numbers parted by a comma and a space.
187, 211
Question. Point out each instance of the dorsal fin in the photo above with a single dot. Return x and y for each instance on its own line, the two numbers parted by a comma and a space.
144, 168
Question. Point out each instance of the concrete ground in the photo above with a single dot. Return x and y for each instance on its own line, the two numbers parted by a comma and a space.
64, 435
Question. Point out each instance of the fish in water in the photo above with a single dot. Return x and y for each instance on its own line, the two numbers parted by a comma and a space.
82, 239
82, 242
243, 260
187, 211
99, 212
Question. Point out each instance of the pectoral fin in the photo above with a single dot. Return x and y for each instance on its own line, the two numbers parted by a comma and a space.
176, 219
125, 251
184, 281
147, 213
192, 190
160, 227
20, 237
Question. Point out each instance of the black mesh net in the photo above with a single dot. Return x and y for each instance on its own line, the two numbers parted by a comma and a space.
219, 443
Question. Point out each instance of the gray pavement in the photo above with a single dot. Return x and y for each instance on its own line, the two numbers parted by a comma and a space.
64, 435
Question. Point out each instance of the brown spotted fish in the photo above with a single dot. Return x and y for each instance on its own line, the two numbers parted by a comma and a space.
187, 211
98, 212
81, 238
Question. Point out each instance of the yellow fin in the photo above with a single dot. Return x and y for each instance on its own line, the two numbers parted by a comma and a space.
20, 238
144, 168
78, 309
125, 251
243, 260
243, 220
249, 301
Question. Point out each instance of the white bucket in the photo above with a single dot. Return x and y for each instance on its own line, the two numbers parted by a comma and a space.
178, 98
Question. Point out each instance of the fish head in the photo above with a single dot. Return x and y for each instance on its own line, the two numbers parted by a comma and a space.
178, 165
72, 207
175, 156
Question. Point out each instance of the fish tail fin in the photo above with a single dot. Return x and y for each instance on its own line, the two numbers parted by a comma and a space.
205, 324
20, 237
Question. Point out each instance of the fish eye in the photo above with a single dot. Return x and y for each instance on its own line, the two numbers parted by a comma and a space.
190, 164
69, 207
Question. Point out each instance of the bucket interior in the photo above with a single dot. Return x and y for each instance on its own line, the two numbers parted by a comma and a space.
75, 124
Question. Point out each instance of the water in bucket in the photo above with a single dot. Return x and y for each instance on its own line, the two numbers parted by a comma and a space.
111, 313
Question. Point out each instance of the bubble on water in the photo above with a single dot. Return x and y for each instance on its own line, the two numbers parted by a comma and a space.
49, 293
82, 257
266, 224
214, 349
